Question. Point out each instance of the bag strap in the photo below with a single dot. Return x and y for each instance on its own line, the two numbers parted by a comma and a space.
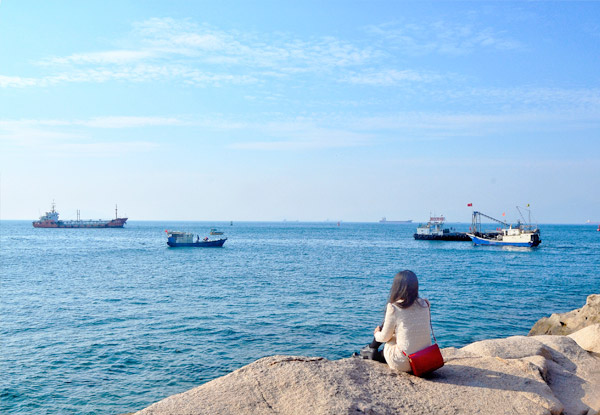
430, 324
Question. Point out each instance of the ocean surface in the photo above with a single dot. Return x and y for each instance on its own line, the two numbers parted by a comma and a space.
108, 321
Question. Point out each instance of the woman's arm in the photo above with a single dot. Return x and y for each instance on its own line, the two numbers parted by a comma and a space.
387, 332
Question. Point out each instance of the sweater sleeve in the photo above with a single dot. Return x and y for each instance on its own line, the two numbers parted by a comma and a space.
387, 332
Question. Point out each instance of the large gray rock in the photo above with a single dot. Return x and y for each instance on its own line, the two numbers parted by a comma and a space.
588, 338
517, 375
570, 322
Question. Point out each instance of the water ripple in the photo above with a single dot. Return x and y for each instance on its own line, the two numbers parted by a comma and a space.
109, 321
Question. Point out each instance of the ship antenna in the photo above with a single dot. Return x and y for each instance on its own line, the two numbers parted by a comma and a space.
116, 214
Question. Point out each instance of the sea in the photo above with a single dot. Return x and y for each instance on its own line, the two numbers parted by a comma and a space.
108, 321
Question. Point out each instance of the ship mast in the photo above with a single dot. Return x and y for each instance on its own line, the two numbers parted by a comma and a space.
116, 214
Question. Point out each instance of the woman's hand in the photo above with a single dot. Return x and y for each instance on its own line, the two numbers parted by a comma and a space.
377, 330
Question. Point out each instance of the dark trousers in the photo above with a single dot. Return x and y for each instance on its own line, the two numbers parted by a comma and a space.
375, 345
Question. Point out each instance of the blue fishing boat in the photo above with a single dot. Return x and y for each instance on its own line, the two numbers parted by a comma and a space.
177, 239
522, 234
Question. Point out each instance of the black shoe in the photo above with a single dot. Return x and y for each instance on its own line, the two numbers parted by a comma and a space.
369, 353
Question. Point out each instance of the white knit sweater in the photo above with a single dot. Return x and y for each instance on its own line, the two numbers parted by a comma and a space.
404, 329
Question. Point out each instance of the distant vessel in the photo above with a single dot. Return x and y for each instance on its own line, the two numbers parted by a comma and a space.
50, 220
434, 231
384, 220
184, 239
521, 234
213, 231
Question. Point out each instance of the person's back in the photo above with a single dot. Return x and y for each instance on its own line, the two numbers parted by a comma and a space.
404, 329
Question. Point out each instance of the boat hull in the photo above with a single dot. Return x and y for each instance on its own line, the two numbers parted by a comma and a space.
218, 243
477, 240
460, 237
115, 223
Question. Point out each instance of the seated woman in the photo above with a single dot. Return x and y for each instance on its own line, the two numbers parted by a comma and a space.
406, 325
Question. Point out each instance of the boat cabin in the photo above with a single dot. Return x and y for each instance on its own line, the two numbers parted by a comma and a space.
435, 226
181, 237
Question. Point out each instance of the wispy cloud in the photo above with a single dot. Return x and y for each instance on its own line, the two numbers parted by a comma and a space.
17, 81
130, 122
70, 138
166, 49
183, 51
118, 57
442, 37
390, 77
254, 50
310, 139
96, 122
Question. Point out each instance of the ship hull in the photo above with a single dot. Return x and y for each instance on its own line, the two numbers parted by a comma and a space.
526, 244
459, 237
201, 244
80, 224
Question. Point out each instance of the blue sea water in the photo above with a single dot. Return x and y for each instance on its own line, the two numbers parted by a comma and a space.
108, 321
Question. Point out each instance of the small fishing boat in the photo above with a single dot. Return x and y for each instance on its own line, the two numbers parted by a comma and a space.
184, 239
521, 234
213, 231
434, 231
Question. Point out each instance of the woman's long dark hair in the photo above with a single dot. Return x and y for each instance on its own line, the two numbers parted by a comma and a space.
405, 289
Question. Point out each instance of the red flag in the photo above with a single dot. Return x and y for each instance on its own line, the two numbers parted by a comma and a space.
503, 214
469, 204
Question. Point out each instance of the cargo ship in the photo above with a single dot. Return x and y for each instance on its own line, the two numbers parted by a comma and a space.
50, 220
384, 220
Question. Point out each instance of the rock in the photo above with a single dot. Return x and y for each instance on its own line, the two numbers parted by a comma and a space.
572, 374
524, 375
588, 338
570, 322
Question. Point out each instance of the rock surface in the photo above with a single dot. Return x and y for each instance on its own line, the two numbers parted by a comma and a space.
588, 338
516, 375
570, 322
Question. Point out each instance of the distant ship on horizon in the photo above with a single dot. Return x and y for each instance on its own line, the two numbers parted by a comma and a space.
384, 220
50, 220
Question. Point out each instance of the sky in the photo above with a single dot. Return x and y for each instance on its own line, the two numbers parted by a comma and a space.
310, 111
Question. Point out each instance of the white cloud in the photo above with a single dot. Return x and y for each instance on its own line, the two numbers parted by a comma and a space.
390, 77
310, 139
129, 122
17, 81
181, 51
63, 138
442, 37
118, 57
97, 122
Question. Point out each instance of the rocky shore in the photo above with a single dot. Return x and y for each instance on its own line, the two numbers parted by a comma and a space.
535, 374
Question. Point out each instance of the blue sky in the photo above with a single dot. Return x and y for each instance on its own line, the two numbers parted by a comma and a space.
339, 110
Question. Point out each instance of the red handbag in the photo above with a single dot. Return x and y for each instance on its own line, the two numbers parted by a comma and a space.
428, 359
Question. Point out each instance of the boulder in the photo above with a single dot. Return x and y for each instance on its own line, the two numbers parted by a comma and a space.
570, 322
524, 375
588, 338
